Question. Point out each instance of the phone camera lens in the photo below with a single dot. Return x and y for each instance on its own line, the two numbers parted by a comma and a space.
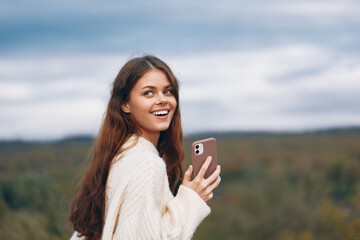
197, 151
197, 147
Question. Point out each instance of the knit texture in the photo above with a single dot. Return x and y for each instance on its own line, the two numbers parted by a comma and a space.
139, 203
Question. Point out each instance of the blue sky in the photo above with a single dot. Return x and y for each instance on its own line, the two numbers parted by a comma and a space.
242, 65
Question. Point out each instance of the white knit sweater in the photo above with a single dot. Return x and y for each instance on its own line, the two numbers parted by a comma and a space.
139, 203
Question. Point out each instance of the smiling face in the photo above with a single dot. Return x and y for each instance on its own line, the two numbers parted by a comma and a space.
152, 104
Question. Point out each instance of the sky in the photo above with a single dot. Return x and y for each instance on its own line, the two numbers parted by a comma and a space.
260, 65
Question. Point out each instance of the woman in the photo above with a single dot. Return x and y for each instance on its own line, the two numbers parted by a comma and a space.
128, 190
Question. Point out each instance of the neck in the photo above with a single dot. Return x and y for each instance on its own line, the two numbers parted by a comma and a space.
153, 137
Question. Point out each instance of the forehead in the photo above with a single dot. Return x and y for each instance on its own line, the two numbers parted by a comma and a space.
154, 78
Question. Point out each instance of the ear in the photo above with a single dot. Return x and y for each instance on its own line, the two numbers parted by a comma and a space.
125, 107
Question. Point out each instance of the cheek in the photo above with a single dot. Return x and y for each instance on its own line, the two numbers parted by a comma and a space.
141, 106
173, 102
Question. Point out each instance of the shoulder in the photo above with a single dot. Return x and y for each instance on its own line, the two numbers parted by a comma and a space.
141, 168
136, 167
139, 154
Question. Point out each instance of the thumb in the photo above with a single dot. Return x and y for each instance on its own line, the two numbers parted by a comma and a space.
187, 175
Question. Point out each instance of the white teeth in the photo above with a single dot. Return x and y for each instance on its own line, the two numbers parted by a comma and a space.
161, 112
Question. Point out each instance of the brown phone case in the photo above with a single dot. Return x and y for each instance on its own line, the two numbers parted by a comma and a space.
200, 151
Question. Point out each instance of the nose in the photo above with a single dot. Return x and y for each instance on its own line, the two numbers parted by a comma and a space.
161, 99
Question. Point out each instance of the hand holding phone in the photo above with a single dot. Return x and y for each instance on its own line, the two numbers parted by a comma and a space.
206, 173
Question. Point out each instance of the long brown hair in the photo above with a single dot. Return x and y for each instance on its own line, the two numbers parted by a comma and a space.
88, 207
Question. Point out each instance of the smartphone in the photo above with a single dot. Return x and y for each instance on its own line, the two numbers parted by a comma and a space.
200, 151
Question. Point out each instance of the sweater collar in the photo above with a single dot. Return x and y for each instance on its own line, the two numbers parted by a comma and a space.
142, 142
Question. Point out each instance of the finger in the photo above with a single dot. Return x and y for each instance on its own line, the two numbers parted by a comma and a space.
204, 167
215, 184
209, 197
187, 175
214, 175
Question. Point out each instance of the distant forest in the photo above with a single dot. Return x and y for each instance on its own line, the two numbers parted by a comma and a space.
275, 186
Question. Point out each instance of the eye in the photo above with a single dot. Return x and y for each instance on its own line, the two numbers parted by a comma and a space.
148, 93
168, 92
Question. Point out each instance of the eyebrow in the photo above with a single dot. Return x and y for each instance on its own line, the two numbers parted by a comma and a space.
152, 87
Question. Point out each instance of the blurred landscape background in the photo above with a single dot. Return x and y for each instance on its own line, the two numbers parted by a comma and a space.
274, 186
276, 82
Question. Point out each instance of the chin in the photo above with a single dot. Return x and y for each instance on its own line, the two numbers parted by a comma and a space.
164, 127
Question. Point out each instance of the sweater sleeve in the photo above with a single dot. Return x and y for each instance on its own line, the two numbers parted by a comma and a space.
160, 215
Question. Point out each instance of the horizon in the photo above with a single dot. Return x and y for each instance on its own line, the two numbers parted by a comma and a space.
203, 134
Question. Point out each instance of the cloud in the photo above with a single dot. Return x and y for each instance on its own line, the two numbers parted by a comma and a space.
294, 87
270, 89
51, 119
14, 92
51, 97
161, 26
243, 65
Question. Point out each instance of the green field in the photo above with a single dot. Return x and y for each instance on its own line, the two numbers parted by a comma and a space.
274, 187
